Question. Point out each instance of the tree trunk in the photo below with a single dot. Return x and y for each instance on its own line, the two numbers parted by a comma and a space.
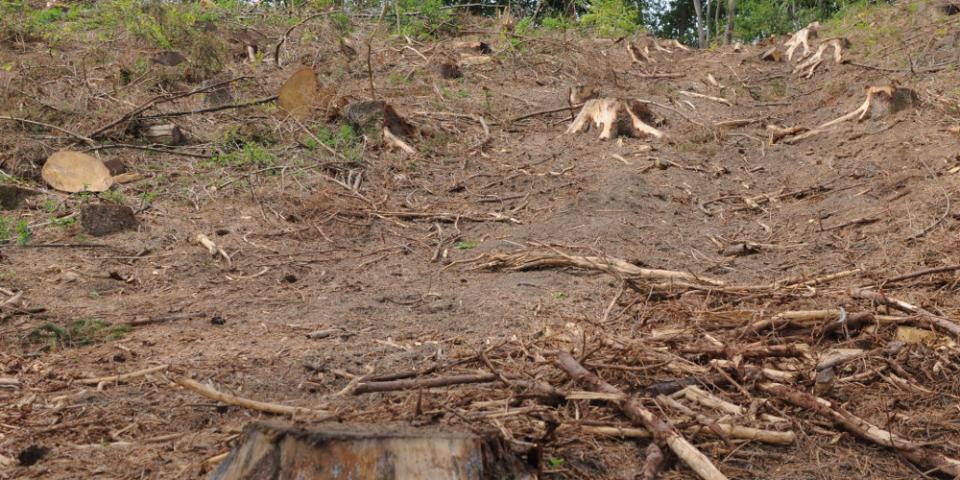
706, 21
731, 12
701, 38
716, 20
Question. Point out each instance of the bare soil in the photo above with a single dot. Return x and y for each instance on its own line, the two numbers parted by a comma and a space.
309, 253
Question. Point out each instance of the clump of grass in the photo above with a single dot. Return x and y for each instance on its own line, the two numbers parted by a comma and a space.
252, 154
12, 229
78, 333
343, 139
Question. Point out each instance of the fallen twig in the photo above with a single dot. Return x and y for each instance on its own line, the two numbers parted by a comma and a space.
123, 377
935, 320
265, 407
635, 411
915, 452
417, 383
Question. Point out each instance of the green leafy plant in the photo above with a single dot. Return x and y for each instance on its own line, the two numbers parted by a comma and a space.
18, 230
343, 139
113, 196
555, 462
465, 245
612, 18
251, 154
422, 19
559, 296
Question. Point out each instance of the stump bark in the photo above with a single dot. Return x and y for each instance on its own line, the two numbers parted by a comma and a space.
272, 450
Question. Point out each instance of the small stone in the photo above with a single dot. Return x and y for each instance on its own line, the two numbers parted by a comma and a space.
69, 277
106, 218
218, 320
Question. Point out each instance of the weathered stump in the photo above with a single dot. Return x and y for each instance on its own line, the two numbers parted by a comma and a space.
380, 124
273, 450
101, 219
11, 196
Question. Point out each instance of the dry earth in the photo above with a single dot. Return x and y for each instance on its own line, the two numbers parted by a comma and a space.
399, 292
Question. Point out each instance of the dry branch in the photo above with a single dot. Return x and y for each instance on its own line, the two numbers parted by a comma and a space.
535, 260
935, 320
417, 383
615, 117
705, 97
915, 452
636, 412
123, 377
265, 407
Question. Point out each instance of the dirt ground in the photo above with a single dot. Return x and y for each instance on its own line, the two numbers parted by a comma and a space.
394, 269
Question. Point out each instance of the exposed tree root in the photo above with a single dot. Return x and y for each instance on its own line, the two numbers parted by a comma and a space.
801, 39
615, 117
808, 66
639, 55
880, 101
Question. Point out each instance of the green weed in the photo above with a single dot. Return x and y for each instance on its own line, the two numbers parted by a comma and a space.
113, 196
465, 245
17, 230
344, 140
612, 18
252, 154
78, 333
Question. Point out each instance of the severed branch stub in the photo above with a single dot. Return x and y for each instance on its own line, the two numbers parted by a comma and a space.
663, 432
615, 117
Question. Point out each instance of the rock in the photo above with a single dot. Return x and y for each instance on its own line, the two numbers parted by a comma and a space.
12, 196
100, 219
72, 172
275, 450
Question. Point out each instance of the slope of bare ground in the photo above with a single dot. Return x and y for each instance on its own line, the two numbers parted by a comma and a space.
398, 293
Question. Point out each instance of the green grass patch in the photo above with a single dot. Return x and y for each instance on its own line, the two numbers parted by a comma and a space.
78, 333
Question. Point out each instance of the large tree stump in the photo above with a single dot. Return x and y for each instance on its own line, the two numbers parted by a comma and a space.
380, 124
273, 450
615, 117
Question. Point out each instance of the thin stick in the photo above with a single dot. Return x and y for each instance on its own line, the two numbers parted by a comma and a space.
916, 452
123, 377
149, 148
635, 411
283, 40
935, 320
265, 407
251, 103
418, 383
88, 140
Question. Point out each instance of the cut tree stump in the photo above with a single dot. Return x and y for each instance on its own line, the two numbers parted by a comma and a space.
11, 196
801, 38
615, 117
168, 134
807, 67
105, 218
272, 450
380, 124
772, 54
